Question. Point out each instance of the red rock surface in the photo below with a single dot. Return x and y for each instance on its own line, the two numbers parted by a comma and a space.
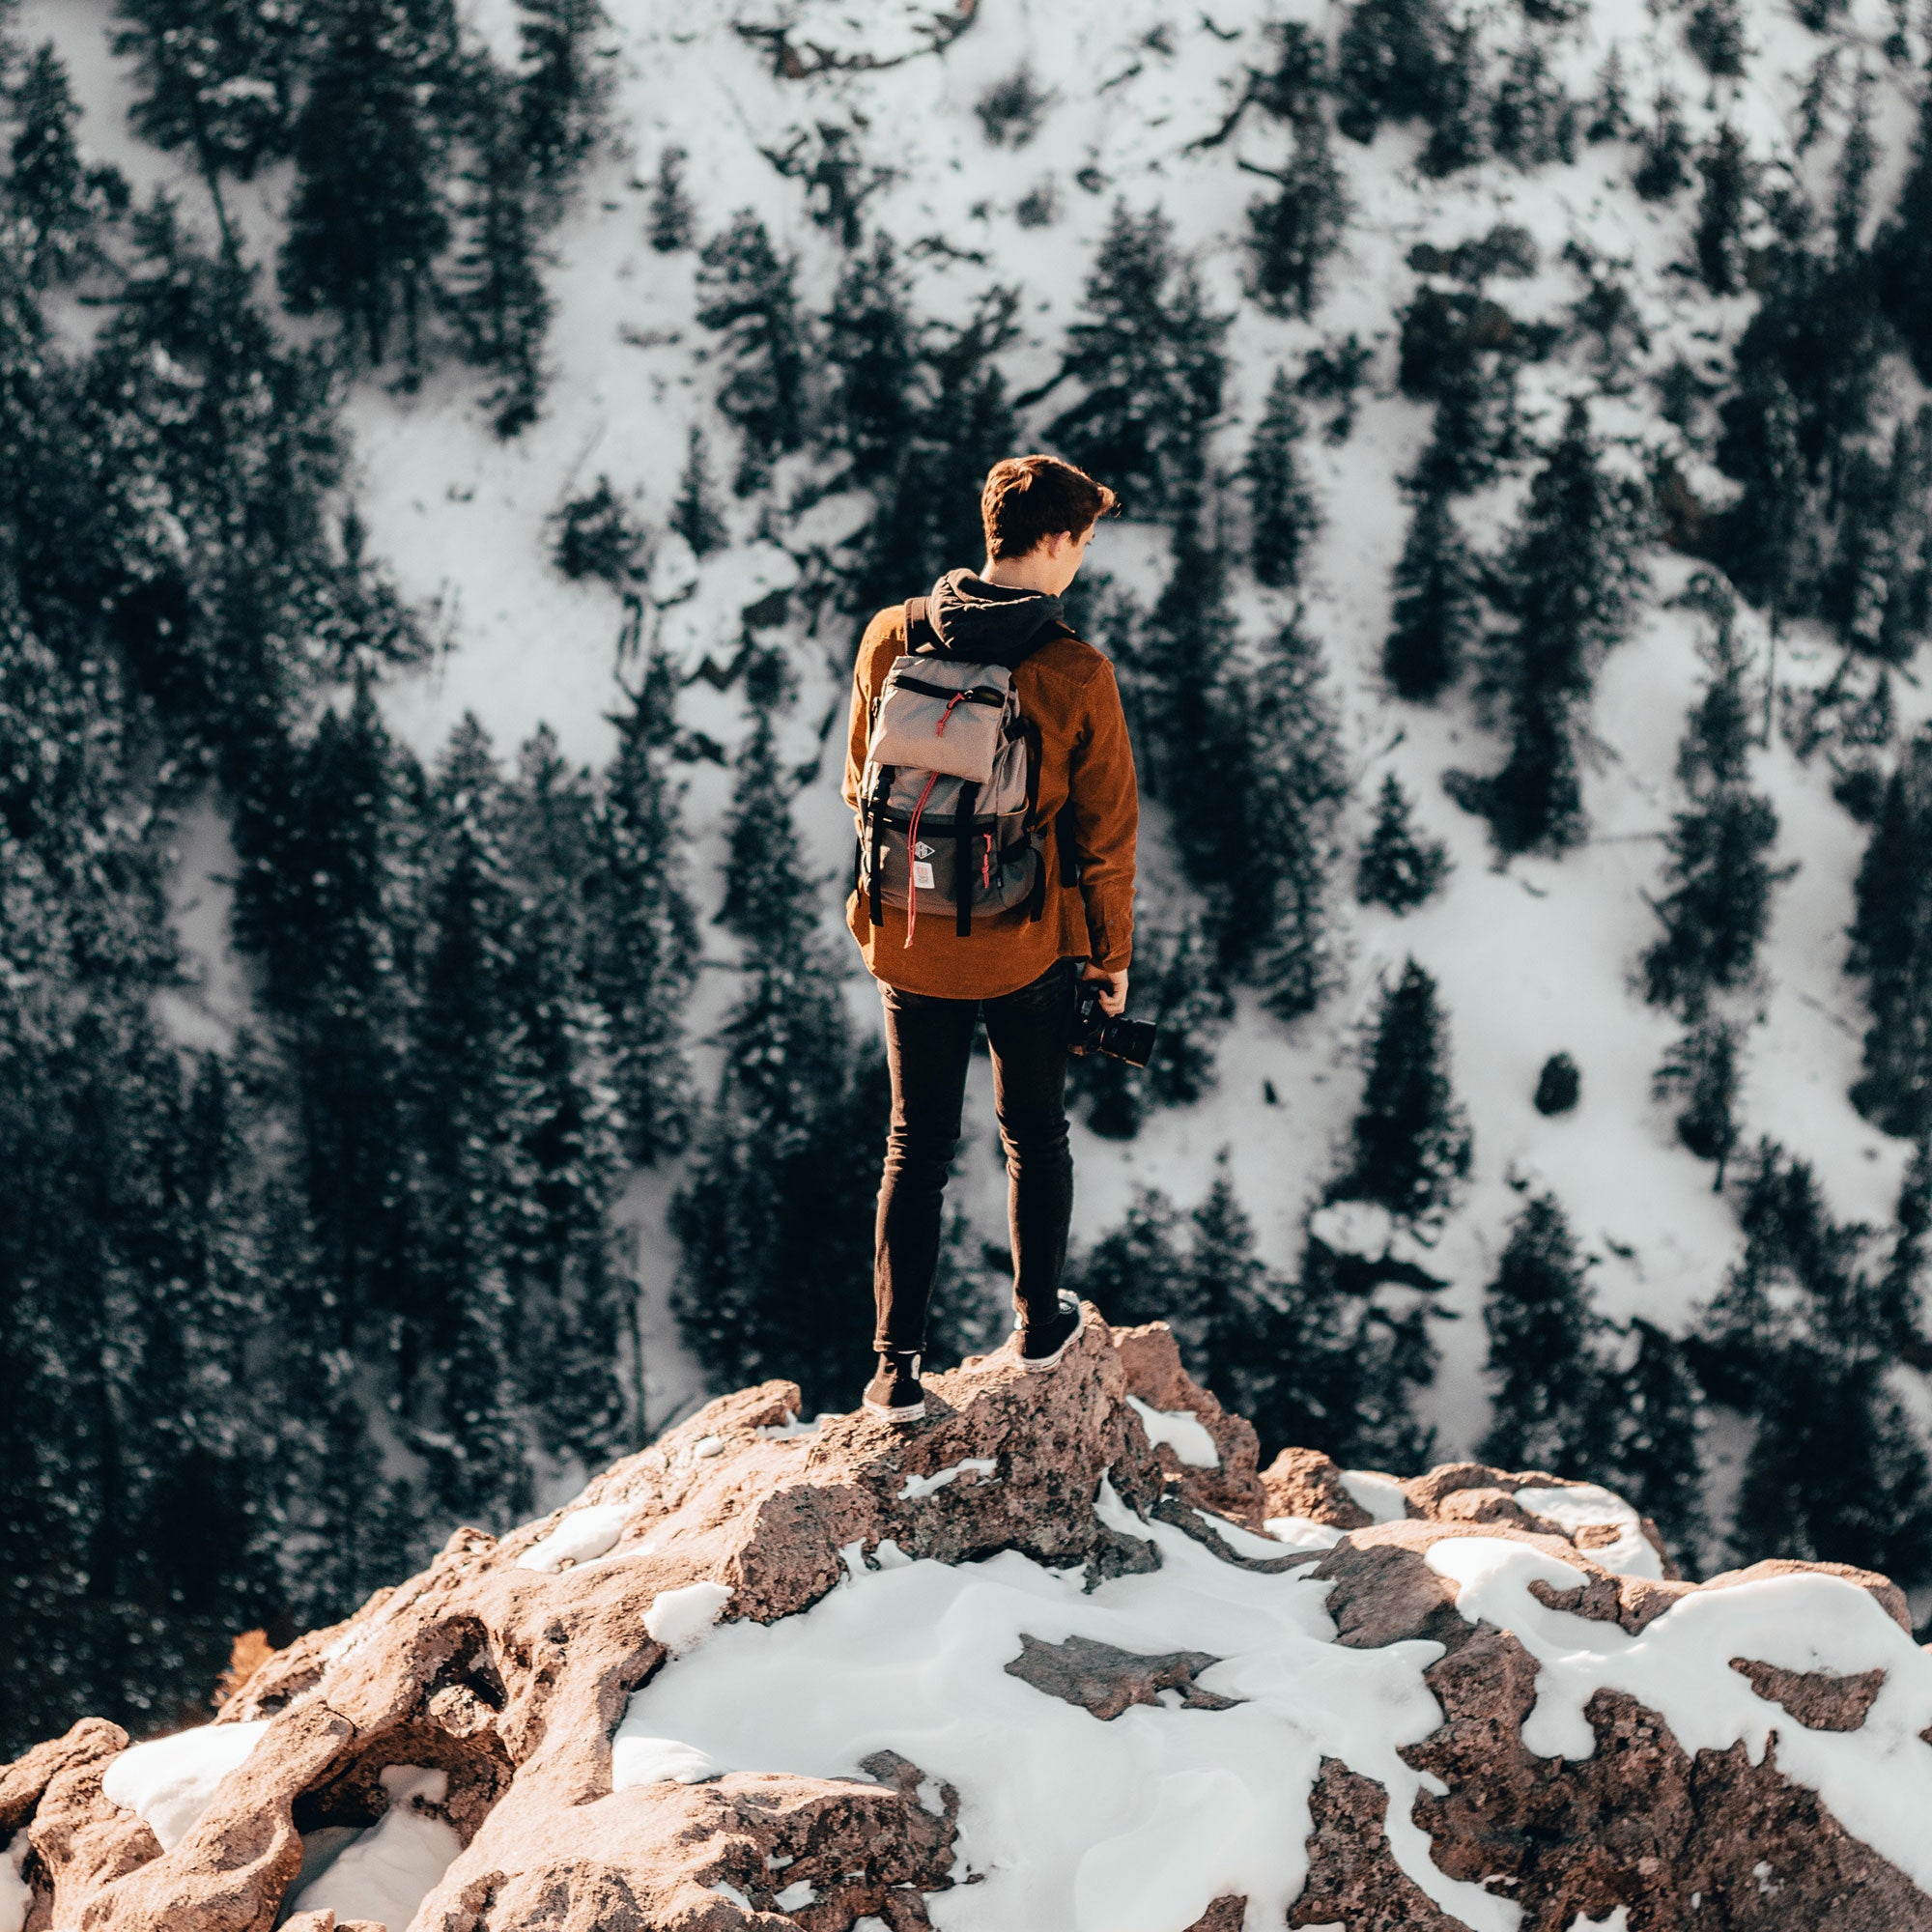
511, 1680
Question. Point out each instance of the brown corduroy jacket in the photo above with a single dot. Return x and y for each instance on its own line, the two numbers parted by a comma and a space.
1067, 691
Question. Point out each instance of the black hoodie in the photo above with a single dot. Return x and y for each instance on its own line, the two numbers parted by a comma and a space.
988, 623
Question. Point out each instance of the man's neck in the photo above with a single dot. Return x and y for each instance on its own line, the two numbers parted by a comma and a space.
1016, 572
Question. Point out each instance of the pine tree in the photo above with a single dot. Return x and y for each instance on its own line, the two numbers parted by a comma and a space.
1761, 540
1282, 511
1891, 951
1666, 151
775, 1221
1716, 904
1877, 584
1821, 84
217, 78
563, 90
1530, 122
1475, 424
1435, 613
1292, 233
1456, 137
1715, 33
1384, 1364
477, 1103
1547, 1408
1836, 1473
1902, 251
1398, 868
598, 537
1270, 905
499, 293
1292, 86
1169, 694
1134, 1272
761, 904
1801, 1284
1851, 197
366, 222
1901, 1289
1609, 107
1704, 1072
874, 401
327, 901
1575, 571
927, 514
569, 1319
1718, 241
1388, 65
745, 290
643, 936
1654, 1463
695, 514
1222, 1311
1147, 354
673, 222
53, 196
1409, 1146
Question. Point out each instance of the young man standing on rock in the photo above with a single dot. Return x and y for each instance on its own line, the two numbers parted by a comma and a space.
1048, 889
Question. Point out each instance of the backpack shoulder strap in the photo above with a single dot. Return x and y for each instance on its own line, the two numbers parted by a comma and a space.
919, 634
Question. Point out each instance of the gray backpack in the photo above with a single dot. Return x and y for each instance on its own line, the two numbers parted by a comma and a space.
946, 801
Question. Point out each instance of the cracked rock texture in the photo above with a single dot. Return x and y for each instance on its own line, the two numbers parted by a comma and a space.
507, 1666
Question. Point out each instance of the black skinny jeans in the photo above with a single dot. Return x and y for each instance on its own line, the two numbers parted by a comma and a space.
928, 1045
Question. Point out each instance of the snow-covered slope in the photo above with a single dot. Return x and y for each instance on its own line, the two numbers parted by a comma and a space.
1531, 957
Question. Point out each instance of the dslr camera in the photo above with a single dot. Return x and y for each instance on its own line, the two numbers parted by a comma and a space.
1091, 1030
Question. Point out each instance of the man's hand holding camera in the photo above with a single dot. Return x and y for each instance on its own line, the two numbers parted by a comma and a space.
1114, 1000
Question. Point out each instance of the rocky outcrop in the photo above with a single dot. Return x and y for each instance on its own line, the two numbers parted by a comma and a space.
1472, 1698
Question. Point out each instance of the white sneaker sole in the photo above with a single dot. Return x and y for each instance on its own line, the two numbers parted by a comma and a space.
1036, 1365
904, 1413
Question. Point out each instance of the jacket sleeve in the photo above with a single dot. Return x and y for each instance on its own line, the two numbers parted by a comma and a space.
1104, 800
859, 724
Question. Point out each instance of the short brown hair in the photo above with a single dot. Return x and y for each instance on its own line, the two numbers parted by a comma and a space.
1027, 498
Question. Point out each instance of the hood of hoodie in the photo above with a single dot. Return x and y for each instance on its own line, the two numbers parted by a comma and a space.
988, 623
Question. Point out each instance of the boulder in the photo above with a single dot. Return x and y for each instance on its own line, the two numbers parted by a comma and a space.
1030, 1664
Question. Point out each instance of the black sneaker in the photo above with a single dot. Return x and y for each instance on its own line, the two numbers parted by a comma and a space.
1041, 1348
894, 1392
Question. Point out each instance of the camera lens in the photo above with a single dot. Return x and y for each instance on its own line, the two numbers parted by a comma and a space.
1131, 1041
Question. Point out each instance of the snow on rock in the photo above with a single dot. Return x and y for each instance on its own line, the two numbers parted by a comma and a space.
581, 1535
383, 1873
1587, 1507
1108, 1693
1303, 1532
916, 1487
169, 1782
1380, 1497
1876, 1777
638, 1759
16, 1894
1182, 1431
678, 1619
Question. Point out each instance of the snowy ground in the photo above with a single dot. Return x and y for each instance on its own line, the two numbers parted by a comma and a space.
1531, 957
